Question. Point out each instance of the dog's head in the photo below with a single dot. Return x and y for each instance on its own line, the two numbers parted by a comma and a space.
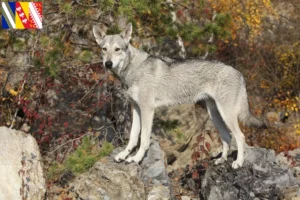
114, 47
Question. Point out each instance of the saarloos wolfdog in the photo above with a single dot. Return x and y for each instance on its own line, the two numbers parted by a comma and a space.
151, 82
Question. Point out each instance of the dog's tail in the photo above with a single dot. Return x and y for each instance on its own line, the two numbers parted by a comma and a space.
249, 120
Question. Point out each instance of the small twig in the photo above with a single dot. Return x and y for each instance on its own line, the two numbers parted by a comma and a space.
69, 141
78, 102
69, 150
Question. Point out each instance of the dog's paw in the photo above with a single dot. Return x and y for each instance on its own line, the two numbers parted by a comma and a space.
220, 160
131, 159
236, 164
136, 159
121, 156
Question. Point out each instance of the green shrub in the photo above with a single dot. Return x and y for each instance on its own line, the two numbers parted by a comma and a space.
82, 159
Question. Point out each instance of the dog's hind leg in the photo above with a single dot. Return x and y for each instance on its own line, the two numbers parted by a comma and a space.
231, 120
134, 134
221, 127
147, 114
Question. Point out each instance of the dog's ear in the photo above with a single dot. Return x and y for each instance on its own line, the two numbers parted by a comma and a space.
98, 34
126, 34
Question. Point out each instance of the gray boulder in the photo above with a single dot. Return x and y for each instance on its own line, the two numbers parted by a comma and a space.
108, 180
261, 177
154, 173
292, 159
21, 173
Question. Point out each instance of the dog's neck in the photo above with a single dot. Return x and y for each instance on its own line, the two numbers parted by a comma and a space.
135, 57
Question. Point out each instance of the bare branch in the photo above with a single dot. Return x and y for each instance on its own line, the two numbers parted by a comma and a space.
70, 141
78, 102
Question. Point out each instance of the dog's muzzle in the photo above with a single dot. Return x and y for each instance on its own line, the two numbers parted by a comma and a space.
108, 64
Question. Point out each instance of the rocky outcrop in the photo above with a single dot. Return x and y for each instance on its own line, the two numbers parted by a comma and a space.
108, 180
291, 159
114, 181
21, 173
154, 173
260, 178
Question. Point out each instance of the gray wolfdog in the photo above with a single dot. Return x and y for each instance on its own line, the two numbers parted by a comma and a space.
152, 82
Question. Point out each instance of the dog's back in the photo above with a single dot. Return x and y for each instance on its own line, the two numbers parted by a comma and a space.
186, 81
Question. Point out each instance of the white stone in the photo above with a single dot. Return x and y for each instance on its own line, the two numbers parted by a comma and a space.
185, 198
20, 166
159, 193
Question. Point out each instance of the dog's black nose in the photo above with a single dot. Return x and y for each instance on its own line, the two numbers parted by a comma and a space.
108, 64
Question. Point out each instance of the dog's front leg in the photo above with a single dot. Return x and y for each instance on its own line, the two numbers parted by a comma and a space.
147, 114
134, 134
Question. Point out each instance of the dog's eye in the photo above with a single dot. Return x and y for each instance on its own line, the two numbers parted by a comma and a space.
104, 49
117, 49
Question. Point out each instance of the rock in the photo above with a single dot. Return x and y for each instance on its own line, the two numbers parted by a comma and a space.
159, 193
110, 181
21, 173
25, 128
260, 177
295, 153
154, 164
21, 60
114, 181
291, 159
185, 198
291, 193
14, 78
154, 173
